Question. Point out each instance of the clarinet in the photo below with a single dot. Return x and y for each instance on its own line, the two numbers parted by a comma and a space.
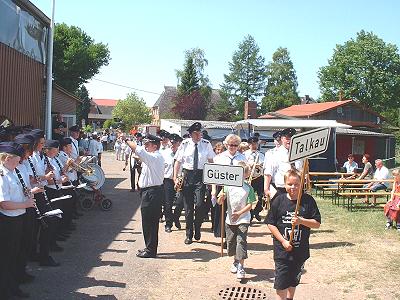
51, 168
28, 194
61, 169
38, 181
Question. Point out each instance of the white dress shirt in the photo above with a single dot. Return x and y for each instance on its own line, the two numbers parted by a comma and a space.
75, 148
251, 156
168, 156
152, 168
225, 158
185, 153
278, 164
11, 190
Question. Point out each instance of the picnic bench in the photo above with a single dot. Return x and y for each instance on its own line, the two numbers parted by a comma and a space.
349, 196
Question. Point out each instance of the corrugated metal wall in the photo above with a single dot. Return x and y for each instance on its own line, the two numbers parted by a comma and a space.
22, 89
63, 103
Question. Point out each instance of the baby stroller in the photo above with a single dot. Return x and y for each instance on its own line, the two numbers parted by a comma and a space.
93, 176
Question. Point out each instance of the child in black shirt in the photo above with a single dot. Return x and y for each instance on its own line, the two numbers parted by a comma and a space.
289, 258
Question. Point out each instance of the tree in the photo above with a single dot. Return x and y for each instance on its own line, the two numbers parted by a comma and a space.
246, 80
189, 81
83, 109
365, 69
193, 88
222, 110
281, 89
110, 123
77, 58
132, 111
191, 106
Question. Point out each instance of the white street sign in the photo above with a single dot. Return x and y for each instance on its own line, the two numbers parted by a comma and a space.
309, 143
223, 174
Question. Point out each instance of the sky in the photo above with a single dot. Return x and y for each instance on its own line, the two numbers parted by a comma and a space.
147, 39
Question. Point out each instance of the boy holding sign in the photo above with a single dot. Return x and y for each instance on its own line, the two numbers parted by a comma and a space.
290, 257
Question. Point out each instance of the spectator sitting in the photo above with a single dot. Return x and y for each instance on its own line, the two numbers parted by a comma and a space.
392, 208
368, 170
381, 173
350, 165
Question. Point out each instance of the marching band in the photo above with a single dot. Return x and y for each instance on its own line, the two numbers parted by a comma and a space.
38, 199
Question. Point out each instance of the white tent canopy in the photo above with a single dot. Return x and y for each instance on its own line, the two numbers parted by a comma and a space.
273, 124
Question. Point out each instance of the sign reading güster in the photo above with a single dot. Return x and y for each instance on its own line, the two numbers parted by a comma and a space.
223, 174
309, 143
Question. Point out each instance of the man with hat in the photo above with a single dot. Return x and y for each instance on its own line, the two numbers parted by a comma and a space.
169, 191
255, 159
135, 165
151, 191
165, 151
59, 127
277, 164
192, 154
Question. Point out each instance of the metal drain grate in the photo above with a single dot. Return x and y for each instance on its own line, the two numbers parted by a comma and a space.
242, 293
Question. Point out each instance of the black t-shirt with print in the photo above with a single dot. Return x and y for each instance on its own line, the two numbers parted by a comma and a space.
280, 215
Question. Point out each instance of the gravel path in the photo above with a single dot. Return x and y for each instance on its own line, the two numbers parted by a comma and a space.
99, 260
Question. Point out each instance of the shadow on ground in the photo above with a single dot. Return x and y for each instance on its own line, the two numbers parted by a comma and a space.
96, 230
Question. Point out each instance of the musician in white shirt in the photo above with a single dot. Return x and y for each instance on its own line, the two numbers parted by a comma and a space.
151, 191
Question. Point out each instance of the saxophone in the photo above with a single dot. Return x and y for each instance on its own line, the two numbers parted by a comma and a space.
179, 183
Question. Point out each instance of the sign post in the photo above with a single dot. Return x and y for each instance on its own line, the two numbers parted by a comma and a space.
223, 175
303, 146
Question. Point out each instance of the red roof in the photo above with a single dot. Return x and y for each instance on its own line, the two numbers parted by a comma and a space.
106, 102
305, 110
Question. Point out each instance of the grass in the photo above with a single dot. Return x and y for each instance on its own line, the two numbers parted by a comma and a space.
370, 221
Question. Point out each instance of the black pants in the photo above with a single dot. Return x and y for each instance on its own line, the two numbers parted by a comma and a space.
10, 243
169, 195
178, 206
193, 196
150, 210
258, 186
26, 243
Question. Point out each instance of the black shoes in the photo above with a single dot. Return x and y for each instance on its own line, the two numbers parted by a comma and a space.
197, 235
258, 217
168, 229
48, 262
188, 241
56, 248
145, 254
178, 224
19, 293
26, 278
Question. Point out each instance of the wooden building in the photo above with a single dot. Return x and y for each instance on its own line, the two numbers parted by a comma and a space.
23, 54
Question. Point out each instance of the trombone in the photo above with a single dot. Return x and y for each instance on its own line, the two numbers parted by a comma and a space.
81, 167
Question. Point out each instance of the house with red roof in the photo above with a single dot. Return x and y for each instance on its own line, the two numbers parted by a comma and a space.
101, 110
346, 111
363, 137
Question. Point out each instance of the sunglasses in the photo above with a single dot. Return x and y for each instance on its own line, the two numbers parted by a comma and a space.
233, 145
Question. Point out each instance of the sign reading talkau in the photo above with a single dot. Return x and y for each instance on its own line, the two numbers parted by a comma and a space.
223, 174
309, 143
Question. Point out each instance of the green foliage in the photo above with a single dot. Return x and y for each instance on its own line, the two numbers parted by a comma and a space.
87, 128
132, 111
83, 109
365, 69
77, 58
281, 89
110, 123
189, 79
193, 100
246, 80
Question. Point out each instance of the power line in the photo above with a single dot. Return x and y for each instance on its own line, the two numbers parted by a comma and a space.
128, 87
